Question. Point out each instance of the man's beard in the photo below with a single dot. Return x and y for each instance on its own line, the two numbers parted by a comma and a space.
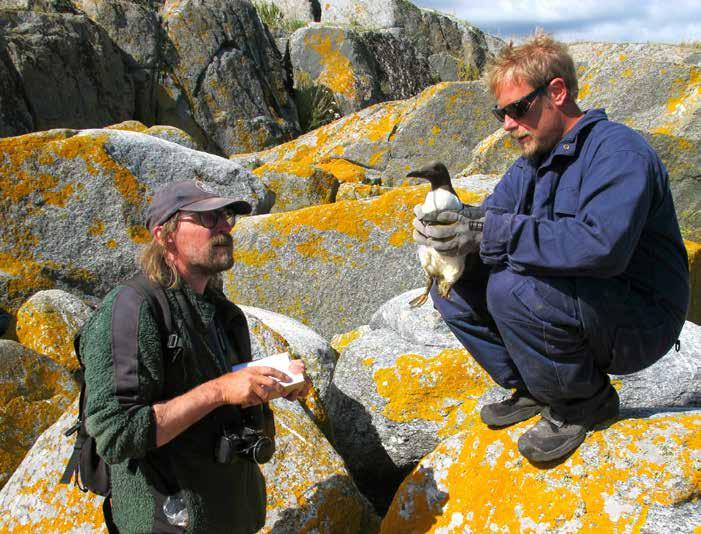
219, 256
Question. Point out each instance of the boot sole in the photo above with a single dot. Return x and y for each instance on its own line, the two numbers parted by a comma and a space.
522, 414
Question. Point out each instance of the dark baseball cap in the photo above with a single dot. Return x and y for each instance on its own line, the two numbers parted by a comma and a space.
189, 195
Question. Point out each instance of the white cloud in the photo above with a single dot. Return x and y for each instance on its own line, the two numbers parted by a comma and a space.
670, 21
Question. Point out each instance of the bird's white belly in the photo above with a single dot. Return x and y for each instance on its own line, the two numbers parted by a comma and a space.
448, 268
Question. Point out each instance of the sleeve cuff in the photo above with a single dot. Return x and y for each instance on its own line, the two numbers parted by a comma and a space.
495, 239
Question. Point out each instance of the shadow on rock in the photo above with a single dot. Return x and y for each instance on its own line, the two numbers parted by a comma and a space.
361, 447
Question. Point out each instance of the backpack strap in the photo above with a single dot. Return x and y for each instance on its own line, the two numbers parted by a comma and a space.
158, 303
170, 341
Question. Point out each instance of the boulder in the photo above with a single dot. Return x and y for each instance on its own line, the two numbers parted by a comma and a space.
228, 74
358, 68
71, 205
632, 475
454, 49
272, 333
165, 132
33, 497
34, 392
48, 322
664, 79
331, 266
307, 485
67, 69
134, 27
378, 145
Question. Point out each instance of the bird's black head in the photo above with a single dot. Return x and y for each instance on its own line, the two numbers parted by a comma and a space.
435, 172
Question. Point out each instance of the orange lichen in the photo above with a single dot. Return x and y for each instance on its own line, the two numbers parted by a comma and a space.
336, 69
489, 487
341, 341
343, 170
253, 258
314, 248
139, 234
96, 228
429, 388
45, 331
111, 243
584, 91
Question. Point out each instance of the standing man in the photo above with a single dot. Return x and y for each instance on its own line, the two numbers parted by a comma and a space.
584, 269
165, 420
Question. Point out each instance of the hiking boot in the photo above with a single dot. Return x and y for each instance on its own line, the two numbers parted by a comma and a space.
551, 439
519, 407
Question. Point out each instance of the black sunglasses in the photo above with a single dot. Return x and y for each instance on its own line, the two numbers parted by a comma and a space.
518, 109
209, 219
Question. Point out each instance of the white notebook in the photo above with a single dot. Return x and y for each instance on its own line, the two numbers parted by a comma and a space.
281, 362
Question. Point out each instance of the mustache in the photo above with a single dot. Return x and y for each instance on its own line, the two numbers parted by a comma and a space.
222, 239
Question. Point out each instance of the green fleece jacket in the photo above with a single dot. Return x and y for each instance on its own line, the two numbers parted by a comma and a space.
126, 372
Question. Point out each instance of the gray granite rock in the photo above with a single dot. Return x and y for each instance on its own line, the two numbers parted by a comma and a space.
301, 342
674, 381
230, 73
134, 27
70, 72
72, 212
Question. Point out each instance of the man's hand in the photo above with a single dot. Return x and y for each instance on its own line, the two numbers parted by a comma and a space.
252, 385
453, 233
297, 367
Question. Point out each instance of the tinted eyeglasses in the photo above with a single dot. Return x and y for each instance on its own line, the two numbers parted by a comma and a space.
518, 109
209, 219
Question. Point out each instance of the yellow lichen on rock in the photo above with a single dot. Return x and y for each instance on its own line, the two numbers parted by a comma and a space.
343, 170
430, 389
47, 331
337, 70
341, 341
607, 485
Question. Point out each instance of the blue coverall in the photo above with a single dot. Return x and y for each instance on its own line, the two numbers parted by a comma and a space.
585, 274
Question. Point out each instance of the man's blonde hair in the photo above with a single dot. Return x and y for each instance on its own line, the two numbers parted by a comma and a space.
153, 259
535, 62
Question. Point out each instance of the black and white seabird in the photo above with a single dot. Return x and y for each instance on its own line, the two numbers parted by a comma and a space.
445, 270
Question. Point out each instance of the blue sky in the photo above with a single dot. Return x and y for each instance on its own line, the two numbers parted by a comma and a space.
665, 21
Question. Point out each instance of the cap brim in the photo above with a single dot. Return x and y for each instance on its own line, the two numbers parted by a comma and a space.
239, 206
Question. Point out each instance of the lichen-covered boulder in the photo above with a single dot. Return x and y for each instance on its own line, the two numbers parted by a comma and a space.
228, 75
161, 131
633, 475
378, 145
454, 49
47, 323
358, 68
33, 499
272, 333
34, 392
72, 202
308, 487
394, 398
70, 72
665, 80
330, 266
